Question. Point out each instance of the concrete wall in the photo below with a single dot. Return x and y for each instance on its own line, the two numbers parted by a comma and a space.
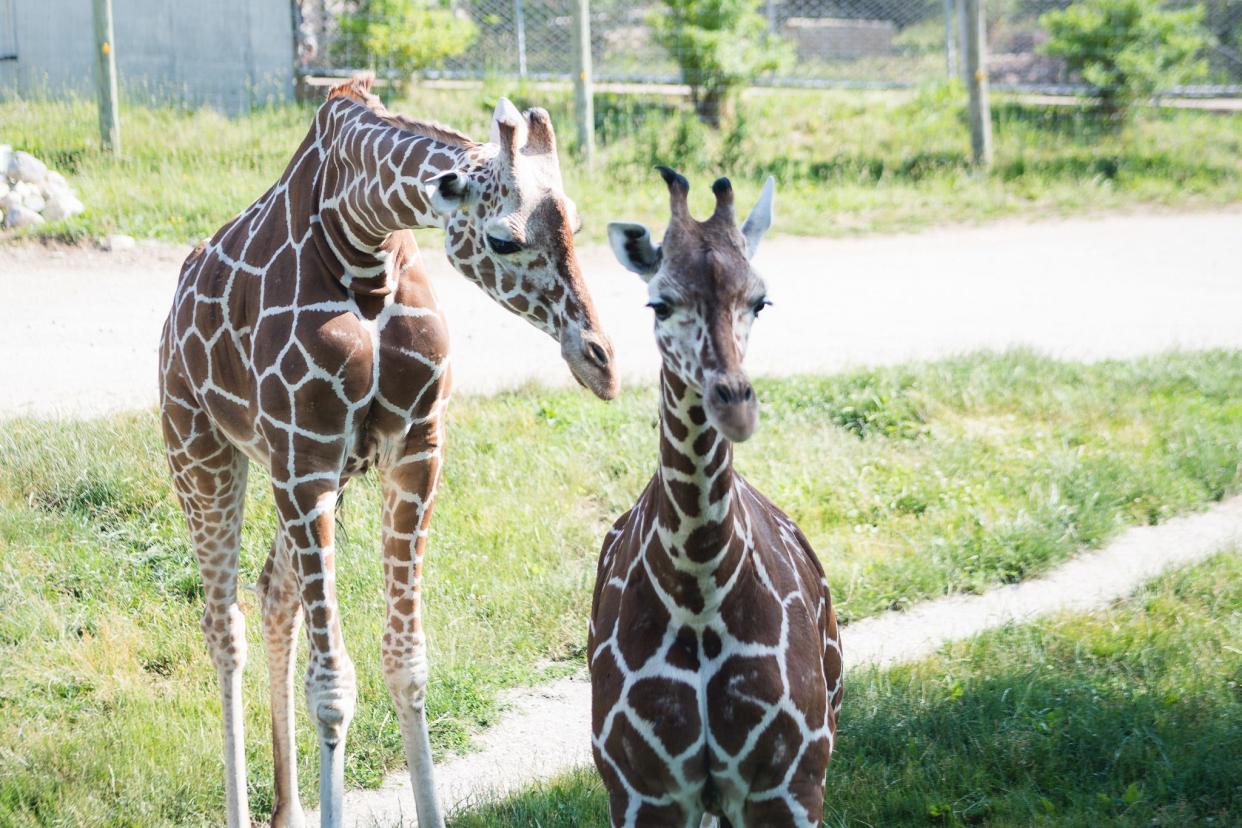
228, 54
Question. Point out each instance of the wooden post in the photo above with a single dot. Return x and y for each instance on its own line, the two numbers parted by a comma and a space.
105, 78
976, 65
583, 92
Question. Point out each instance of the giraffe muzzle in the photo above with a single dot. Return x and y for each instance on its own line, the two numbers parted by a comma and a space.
732, 406
589, 357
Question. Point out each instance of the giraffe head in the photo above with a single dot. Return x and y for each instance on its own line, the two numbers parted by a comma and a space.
509, 227
705, 296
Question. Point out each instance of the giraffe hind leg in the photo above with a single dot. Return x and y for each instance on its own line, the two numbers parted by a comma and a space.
209, 477
280, 599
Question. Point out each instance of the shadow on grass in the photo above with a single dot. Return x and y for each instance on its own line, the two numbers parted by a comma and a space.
1026, 747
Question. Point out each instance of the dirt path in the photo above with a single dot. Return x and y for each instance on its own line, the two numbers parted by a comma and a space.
547, 729
81, 328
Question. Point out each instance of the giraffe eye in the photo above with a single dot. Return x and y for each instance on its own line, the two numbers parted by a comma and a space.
760, 305
662, 309
503, 246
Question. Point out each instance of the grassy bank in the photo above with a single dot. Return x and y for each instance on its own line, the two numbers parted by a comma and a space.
1131, 717
846, 162
911, 482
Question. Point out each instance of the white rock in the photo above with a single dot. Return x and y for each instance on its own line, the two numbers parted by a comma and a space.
25, 167
4, 187
24, 189
117, 242
35, 202
11, 200
22, 217
62, 205
6, 155
55, 179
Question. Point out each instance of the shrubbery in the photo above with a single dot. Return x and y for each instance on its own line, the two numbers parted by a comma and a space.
1128, 49
406, 35
720, 45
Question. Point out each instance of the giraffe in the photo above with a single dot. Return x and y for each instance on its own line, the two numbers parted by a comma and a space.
305, 336
713, 647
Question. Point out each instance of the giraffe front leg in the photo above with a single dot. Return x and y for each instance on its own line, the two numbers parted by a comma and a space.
308, 514
280, 599
209, 477
409, 490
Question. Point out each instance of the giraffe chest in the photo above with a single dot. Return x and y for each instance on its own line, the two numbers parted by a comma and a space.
707, 704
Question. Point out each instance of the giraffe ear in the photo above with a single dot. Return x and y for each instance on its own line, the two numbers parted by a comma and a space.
631, 243
447, 192
760, 218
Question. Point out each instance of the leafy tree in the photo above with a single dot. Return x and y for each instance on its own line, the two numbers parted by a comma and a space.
407, 35
720, 45
1128, 49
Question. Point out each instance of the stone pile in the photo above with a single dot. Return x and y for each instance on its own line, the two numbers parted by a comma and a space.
30, 193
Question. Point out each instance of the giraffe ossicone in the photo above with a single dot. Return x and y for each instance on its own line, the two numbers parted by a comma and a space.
305, 336
716, 672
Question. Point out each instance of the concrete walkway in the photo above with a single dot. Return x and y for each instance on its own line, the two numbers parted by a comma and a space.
547, 730
80, 328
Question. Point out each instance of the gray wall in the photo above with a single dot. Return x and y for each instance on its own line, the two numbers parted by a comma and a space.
228, 54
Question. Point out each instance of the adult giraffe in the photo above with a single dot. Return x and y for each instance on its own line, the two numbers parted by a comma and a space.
715, 660
305, 336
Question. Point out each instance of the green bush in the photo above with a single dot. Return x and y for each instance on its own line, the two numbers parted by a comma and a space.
719, 45
406, 35
1128, 49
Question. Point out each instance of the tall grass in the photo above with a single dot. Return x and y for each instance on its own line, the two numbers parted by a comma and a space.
911, 482
846, 161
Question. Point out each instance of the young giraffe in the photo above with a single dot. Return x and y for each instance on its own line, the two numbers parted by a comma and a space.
305, 336
715, 661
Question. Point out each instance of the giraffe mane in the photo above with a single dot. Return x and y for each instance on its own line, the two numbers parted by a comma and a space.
358, 90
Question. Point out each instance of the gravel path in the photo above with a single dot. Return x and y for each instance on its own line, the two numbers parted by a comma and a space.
547, 729
81, 327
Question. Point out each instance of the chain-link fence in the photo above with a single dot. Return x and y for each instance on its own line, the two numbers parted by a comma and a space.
848, 43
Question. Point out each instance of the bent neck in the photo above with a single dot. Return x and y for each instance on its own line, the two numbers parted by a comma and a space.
371, 186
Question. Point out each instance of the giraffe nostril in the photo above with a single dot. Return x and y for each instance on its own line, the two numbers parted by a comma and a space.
748, 393
597, 354
722, 394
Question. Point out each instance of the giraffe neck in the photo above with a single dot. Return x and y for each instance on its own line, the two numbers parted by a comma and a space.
695, 499
371, 187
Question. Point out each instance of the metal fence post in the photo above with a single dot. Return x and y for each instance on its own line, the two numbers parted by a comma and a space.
583, 92
962, 36
519, 25
105, 78
976, 66
950, 52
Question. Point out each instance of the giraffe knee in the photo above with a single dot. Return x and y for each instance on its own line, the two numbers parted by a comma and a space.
330, 694
406, 674
224, 628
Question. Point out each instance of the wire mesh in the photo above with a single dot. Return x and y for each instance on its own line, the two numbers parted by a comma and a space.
851, 43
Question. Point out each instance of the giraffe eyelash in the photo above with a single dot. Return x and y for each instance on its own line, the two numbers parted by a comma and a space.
504, 247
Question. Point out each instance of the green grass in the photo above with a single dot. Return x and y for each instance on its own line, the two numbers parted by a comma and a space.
846, 162
911, 482
1130, 717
